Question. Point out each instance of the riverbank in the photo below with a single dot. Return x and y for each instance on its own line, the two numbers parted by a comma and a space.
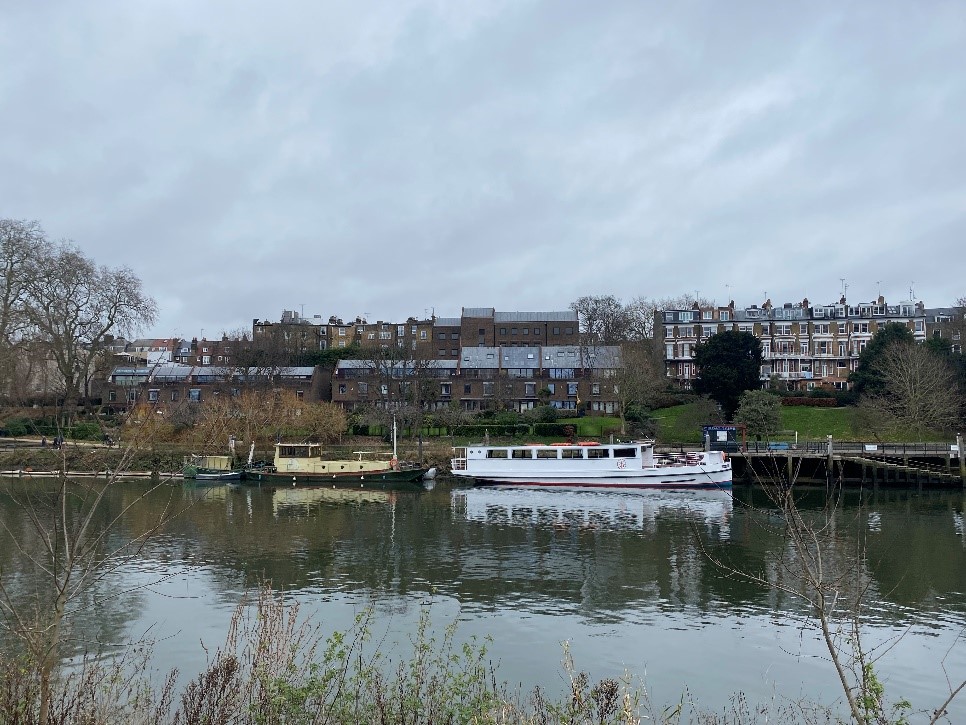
26, 455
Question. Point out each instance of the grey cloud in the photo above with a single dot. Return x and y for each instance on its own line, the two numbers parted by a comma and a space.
395, 158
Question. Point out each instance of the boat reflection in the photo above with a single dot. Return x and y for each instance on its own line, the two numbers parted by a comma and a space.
298, 501
588, 509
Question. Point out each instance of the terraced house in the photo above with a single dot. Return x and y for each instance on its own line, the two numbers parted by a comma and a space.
804, 346
485, 359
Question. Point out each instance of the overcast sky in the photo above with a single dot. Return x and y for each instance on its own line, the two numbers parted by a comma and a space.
397, 158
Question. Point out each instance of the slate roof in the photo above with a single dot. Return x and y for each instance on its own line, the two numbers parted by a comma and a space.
557, 316
563, 356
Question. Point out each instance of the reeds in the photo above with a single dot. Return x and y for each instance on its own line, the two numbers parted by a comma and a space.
275, 666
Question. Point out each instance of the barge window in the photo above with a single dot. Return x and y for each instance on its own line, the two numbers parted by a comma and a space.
522, 453
294, 452
571, 453
499, 453
625, 452
544, 453
597, 453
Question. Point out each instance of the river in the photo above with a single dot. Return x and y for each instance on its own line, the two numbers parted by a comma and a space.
627, 580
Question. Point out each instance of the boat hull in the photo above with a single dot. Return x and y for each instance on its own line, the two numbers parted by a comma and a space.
663, 480
632, 466
216, 476
371, 479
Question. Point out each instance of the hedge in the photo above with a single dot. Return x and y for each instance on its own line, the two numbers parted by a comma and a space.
812, 402
552, 429
494, 429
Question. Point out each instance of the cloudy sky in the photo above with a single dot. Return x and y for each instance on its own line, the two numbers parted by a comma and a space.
395, 158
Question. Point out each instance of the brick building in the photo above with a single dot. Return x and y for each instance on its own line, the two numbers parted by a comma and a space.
804, 346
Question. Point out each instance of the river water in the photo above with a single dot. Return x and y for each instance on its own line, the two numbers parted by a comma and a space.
626, 580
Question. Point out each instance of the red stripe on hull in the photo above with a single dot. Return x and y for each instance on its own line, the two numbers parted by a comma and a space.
660, 484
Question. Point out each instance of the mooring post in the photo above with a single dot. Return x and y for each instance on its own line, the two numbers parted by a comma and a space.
829, 439
707, 442
962, 457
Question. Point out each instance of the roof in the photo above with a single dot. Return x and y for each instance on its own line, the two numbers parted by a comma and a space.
558, 316
480, 357
520, 357
129, 371
368, 364
447, 322
171, 371
554, 356
478, 312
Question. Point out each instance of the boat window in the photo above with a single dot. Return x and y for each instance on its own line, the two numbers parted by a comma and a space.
294, 451
597, 453
625, 452
544, 453
522, 453
498, 453
571, 453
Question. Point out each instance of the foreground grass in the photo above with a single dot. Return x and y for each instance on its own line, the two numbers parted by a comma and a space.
276, 668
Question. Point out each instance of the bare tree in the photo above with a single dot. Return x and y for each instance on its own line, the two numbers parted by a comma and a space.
20, 243
603, 320
639, 380
920, 392
261, 416
73, 541
408, 381
820, 567
74, 305
642, 310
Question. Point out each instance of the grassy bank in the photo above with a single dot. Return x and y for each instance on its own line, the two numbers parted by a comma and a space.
276, 667
679, 425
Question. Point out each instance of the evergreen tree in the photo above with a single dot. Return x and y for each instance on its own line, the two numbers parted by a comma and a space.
729, 363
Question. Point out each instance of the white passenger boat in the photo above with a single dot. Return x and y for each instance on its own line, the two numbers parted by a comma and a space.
632, 465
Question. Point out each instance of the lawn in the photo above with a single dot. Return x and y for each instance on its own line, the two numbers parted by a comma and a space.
817, 423
679, 424
592, 426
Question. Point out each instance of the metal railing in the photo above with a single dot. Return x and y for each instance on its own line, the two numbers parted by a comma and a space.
851, 447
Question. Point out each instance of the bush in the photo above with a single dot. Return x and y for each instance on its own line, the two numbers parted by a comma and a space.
86, 432
18, 426
506, 417
813, 402
493, 429
545, 414
550, 429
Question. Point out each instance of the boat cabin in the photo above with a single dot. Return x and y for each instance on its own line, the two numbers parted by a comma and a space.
627, 455
307, 458
211, 463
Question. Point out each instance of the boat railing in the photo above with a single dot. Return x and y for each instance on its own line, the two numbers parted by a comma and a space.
665, 460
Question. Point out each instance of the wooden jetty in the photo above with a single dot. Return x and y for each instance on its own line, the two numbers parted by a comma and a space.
856, 464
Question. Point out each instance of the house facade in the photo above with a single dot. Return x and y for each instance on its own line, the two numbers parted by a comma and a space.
803, 346
174, 383
486, 378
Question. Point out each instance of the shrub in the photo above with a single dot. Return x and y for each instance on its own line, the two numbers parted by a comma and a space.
86, 432
550, 429
494, 429
18, 426
813, 402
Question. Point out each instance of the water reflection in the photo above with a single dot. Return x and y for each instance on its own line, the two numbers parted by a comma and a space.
304, 501
599, 510
619, 573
